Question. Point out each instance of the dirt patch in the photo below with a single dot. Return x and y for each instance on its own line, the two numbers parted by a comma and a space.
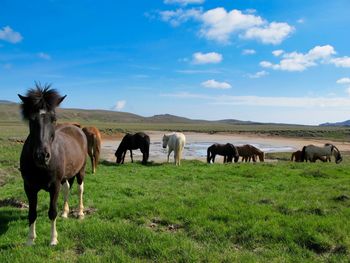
341, 198
158, 224
87, 211
12, 202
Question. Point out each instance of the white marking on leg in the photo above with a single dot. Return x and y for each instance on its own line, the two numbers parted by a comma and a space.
65, 190
81, 206
54, 240
31, 235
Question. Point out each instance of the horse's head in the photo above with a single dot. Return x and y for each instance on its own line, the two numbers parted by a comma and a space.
165, 141
38, 107
338, 157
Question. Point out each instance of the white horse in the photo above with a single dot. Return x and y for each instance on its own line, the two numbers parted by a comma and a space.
312, 153
175, 142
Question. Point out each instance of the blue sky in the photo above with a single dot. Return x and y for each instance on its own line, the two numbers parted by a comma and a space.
260, 60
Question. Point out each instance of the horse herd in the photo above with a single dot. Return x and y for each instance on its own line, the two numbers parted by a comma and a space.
53, 155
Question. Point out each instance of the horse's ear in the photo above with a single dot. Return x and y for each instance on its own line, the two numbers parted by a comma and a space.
60, 100
23, 98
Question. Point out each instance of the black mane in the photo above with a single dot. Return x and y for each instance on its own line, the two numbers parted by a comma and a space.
40, 98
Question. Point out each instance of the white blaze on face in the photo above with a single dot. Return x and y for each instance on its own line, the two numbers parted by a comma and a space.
42, 112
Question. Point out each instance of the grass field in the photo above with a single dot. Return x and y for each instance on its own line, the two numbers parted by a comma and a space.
270, 212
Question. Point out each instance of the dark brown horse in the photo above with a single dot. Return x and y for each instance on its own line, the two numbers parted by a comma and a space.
249, 152
227, 150
93, 137
297, 156
131, 142
50, 156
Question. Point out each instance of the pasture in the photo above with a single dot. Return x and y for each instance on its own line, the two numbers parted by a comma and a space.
263, 212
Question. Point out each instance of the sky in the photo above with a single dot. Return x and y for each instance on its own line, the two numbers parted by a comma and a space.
258, 60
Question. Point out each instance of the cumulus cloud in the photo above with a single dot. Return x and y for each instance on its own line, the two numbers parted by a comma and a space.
179, 16
258, 74
248, 52
184, 2
206, 58
277, 52
220, 25
44, 56
299, 62
342, 62
273, 33
7, 34
119, 105
213, 84
343, 81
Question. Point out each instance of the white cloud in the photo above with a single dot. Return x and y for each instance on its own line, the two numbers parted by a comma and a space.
248, 52
348, 91
277, 52
179, 16
343, 62
119, 105
7, 34
206, 58
299, 62
213, 84
220, 25
184, 2
343, 81
258, 75
301, 21
274, 33
44, 56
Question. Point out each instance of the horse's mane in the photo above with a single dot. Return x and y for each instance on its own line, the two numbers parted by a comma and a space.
40, 98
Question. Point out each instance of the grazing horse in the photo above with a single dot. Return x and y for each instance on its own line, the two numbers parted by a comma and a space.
93, 137
312, 153
175, 142
227, 150
297, 156
249, 152
131, 142
50, 156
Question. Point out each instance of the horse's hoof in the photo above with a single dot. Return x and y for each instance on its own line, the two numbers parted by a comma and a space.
64, 215
54, 242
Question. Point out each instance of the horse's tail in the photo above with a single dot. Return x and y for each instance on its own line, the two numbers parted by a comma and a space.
303, 154
293, 155
208, 154
97, 148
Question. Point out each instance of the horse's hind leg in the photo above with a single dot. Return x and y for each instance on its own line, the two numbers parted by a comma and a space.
132, 160
80, 180
33, 200
65, 188
54, 191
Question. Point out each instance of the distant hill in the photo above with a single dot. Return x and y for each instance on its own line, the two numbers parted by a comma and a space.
336, 124
10, 111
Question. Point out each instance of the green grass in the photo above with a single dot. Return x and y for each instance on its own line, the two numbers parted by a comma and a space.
270, 212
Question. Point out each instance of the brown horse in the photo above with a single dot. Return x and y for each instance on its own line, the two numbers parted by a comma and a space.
297, 156
227, 150
93, 137
249, 152
50, 156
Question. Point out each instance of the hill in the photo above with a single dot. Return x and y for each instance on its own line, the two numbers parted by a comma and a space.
336, 124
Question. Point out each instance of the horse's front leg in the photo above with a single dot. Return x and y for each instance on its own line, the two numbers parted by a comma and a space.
54, 191
169, 152
132, 160
32, 196
123, 157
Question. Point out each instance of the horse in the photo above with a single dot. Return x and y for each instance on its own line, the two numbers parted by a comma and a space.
93, 137
297, 157
131, 142
227, 150
175, 142
312, 153
50, 156
249, 152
